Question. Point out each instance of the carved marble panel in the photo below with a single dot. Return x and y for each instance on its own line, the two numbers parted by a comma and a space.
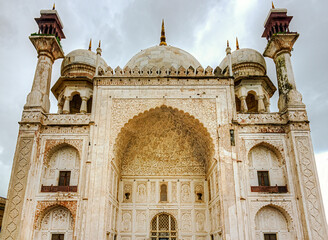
12, 218
141, 193
309, 183
126, 223
185, 193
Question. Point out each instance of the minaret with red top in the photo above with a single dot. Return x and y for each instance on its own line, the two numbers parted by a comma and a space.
17, 223
280, 44
306, 184
47, 44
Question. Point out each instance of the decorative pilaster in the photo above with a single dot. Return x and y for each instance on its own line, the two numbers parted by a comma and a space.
13, 213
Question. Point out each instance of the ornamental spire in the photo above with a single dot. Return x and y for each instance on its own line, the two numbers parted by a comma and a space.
90, 44
163, 38
54, 7
237, 44
273, 5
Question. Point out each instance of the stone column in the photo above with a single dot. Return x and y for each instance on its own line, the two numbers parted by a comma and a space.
84, 108
243, 105
279, 49
48, 51
60, 108
66, 105
261, 106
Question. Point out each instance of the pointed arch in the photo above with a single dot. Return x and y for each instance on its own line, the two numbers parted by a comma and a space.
163, 134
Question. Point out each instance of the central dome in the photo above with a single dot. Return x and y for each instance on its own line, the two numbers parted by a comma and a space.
163, 56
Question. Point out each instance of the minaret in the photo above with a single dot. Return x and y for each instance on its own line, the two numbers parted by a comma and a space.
280, 45
305, 180
18, 213
47, 44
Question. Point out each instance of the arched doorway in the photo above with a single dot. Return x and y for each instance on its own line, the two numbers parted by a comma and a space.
163, 227
165, 157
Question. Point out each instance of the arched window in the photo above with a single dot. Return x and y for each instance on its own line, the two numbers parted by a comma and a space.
61, 171
163, 227
266, 171
252, 103
75, 104
271, 224
56, 224
163, 196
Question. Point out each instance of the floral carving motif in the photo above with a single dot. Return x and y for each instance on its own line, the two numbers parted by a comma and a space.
244, 118
66, 119
311, 191
173, 143
16, 193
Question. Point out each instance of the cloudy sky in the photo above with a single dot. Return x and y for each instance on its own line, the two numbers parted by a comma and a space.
200, 27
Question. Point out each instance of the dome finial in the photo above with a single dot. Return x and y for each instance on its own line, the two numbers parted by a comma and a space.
273, 5
227, 43
54, 7
237, 44
90, 44
163, 38
99, 43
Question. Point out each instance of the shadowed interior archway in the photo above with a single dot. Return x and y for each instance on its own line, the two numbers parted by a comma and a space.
164, 141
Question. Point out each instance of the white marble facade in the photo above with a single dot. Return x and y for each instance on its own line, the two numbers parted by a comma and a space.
164, 149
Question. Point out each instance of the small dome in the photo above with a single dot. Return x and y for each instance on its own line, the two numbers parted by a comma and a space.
163, 56
81, 62
245, 61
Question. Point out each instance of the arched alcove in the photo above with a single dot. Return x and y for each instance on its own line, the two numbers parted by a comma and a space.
164, 141
56, 223
75, 104
61, 169
271, 223
267, 171
252, 102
